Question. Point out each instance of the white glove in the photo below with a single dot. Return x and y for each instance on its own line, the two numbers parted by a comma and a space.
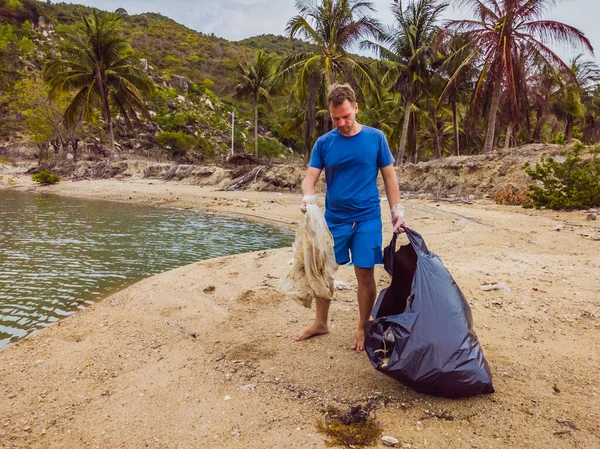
397, 217
306, 200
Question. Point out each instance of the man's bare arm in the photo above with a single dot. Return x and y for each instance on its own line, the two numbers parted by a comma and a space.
310, 181
392, 192
390, 181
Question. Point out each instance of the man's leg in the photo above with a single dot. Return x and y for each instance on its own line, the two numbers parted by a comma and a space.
341, 234
319, 327
366, 253
367, 292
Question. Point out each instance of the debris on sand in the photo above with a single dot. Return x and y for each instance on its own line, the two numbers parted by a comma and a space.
496, 286
356, 427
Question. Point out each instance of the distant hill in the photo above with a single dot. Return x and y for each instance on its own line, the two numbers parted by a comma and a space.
173, 48
30, 33
283, 46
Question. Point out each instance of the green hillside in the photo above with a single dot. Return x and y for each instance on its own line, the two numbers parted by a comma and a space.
173, 48
31, 32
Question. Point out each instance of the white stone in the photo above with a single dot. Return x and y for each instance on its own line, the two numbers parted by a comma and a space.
390, 441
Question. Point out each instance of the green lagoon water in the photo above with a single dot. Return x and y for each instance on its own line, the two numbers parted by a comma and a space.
58, 254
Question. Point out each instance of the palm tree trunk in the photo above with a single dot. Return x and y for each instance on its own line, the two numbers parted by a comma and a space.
489, 136
438, 145
437, 139
256, 129
109, 129
569, 127
105, 109
455, 125
509, 135
402, 148
309, 117
74, 145
538, 126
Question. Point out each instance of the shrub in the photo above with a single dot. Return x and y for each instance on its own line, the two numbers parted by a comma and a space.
512, 196
576, 133
573, 184
270, 147
579, 147
178, 142
45, 177
559, 139
25, 46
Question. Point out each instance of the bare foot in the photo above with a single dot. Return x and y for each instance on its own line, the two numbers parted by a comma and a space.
359, 341
311, 331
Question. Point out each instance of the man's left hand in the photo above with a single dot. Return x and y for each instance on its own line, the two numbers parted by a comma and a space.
397, 217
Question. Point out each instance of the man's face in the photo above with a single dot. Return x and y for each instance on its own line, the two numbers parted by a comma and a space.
344, 117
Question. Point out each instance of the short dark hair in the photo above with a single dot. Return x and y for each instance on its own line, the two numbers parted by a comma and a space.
338, 93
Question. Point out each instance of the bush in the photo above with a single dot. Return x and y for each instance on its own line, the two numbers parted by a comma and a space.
270, 147
559, 139
573, 184
175, 122
512, 196
178, 142
45, 177
576, 133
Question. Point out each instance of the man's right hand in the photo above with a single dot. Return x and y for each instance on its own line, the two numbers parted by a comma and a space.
306, 200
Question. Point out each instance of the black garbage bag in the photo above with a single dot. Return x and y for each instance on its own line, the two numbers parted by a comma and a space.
422, 333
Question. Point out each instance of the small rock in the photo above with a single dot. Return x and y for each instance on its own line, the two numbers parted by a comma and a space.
559, 227
227, 398
249, 387
496, 286
340, 285
278, 334
390, 441
591, 216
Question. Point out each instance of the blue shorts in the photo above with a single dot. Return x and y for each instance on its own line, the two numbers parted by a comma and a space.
362, 239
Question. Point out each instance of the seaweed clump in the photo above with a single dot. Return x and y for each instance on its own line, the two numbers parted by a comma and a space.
356, 427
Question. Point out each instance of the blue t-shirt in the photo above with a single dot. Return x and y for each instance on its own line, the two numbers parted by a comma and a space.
351, 165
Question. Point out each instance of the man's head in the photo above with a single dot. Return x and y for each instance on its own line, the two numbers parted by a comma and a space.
343, 108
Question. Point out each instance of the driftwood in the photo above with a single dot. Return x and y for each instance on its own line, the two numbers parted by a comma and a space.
251, 176
455, 200
171, 172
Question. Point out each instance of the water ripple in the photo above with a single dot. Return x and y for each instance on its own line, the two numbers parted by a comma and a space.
58, 254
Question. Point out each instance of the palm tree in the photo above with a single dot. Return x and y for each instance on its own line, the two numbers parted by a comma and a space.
541, 84
505, 34
408, 49
588, 77
456, 50
97, 67
256, 79
333, 27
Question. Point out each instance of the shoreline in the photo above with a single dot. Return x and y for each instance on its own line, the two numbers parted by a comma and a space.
201, 356
174, 195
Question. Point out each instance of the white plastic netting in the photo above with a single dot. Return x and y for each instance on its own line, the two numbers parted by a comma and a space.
314, 266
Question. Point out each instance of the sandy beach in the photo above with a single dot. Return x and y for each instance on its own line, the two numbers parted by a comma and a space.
201, 356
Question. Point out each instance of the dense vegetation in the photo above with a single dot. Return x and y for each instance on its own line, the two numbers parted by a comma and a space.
435, 88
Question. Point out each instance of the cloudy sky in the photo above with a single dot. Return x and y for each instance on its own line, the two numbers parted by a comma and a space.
238, 19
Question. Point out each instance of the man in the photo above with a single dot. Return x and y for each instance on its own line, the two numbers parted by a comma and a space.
352, 154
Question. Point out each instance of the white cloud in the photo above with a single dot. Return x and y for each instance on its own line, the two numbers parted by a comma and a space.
239, 19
